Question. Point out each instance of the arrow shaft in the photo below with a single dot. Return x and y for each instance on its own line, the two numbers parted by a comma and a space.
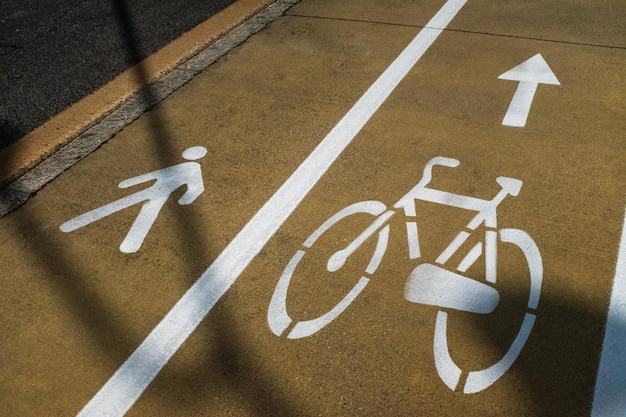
519, 108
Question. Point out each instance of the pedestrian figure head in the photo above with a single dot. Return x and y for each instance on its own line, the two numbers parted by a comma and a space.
195, 152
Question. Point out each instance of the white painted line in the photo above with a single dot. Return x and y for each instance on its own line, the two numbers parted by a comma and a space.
470, 258
452, 248
413, 240
131, 379
610, 392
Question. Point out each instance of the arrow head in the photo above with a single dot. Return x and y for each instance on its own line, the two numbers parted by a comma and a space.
535, 70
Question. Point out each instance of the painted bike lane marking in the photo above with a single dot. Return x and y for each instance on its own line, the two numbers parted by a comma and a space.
429, 284
132, 378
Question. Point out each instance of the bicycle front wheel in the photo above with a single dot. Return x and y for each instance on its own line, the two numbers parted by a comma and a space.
278, 318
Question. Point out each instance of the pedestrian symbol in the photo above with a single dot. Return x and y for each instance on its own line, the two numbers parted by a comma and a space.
167, 180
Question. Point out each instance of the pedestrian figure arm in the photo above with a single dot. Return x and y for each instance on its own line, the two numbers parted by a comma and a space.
140, 179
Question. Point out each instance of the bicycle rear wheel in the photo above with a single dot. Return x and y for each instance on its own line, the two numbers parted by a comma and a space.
479, 380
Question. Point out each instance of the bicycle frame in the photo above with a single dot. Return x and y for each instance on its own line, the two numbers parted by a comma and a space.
486, 208
486, 213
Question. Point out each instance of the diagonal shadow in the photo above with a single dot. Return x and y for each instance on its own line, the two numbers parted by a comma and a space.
96, 316
228, 343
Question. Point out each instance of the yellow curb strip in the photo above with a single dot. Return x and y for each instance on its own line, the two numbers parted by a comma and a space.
32, 148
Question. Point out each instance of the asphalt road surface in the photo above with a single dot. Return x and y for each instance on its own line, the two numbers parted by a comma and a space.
54, 53
367, 208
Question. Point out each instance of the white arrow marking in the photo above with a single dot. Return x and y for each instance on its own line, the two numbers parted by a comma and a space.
530, 74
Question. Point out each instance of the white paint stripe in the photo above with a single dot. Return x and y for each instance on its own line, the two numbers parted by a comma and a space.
491, 240
132, 378
610, 392
413, 240
452, 248
470, 258
518, 110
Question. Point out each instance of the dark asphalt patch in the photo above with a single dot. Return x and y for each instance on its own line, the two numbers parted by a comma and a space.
52, 54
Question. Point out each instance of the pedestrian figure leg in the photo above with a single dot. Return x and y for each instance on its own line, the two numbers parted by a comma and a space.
144, 221
101, 212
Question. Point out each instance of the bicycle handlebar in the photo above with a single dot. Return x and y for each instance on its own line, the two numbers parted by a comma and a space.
438, 160
510, 186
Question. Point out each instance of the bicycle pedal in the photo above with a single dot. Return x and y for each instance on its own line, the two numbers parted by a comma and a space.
432, 285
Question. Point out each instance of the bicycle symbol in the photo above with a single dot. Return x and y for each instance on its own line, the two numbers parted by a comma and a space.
428, 284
